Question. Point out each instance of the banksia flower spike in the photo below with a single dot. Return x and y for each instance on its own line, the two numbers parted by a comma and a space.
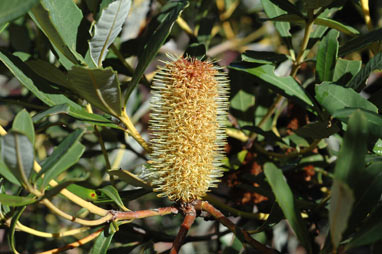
189, 108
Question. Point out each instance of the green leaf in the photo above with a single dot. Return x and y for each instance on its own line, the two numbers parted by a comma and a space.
26, 77
360, 42
336, 25
51, 21
83, 192
7, 174
63, 157
102, 242
359, 80
317, 130
263, 57
351, 159
287, 6
327, 56
340, 208
112, 193
12, 229
66, 17
378, 146
130, 178
23, 123
58, 109
165, 20
287, 85
100, 87
49, 72
11, 9
107, 28
346, 67
286, 201
374, 121
17, 153
272, 11
10, 200
334, 97
243, 103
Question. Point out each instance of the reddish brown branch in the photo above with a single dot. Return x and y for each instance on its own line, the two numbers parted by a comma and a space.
189, 218
240, 233
117, 215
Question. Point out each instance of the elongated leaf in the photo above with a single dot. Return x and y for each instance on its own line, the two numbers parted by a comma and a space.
334, 97
66, 18
11, 9
286, 201
263, 57
27, 78
287, 7
59, 109
374, 121
102, 242
130, 178
287, 85
349, 169
10, 200
112, 193
166, 19
49, 72
339, 211
272, 11
100, 87
107, 28
336, 25
12, 229
358, 81
360, 42
7, 173
243, 104
351, 159
345, 68
327, 56
17, 153
41, 16
317, 130
83, 192
63, 157
23, 123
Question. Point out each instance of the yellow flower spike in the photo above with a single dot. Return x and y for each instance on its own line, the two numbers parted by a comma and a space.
189, 108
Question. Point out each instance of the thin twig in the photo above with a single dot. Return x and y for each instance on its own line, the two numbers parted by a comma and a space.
75, 244
189, 218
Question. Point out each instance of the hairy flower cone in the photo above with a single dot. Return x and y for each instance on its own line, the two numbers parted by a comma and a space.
189, 105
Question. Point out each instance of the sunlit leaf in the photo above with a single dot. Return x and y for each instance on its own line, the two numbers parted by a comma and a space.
23, 123
108, 26
327, 56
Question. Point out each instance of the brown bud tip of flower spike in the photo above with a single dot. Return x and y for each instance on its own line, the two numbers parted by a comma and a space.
189, 108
